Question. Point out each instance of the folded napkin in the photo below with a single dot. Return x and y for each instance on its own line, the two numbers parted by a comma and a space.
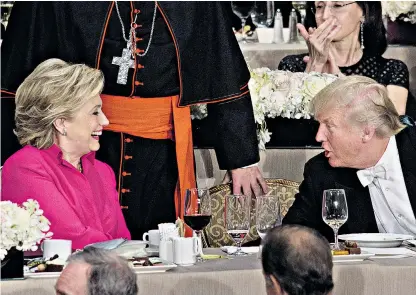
131, 249
398, 252
232, 249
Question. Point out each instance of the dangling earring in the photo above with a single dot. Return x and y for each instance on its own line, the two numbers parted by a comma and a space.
64, 133
362, 33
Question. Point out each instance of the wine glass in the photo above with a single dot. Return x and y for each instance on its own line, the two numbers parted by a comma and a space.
237, 219
242, 9
268, 214
197, 212
262, 14
334, 210
301, 7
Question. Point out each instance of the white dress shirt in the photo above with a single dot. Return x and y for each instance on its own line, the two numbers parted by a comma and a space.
388, 193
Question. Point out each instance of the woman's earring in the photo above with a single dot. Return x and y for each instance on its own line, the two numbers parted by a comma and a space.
64, 133
362, 33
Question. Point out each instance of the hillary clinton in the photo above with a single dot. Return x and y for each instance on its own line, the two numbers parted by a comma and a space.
58, 122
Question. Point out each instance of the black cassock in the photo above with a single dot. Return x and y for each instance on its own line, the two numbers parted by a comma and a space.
193, 54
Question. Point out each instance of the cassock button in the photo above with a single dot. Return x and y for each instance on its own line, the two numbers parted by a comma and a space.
139, 50
139, 66
128, 157
137, 11
137, 83
138, 39
125, 190
128, 140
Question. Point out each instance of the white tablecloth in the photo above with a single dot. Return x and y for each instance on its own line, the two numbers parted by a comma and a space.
243, 276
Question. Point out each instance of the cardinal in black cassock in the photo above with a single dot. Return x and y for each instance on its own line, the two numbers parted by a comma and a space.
158, 58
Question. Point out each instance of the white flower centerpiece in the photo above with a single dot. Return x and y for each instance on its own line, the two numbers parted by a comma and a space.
401, 10
22, 227
276, 93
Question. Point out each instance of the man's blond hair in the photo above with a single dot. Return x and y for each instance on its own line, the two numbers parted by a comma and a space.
364, 101
54, 90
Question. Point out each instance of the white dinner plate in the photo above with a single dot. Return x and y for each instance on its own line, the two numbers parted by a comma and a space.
352, 257
42, 275
164, 266
376, 240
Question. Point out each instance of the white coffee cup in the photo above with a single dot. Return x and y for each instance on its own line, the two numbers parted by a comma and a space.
153, 237
61, 247
185, 250
165, 250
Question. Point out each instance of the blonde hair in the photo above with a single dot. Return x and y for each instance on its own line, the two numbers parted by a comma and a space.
54, 90
366, 103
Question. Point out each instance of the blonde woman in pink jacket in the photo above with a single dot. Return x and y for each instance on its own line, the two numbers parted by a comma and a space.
58, 122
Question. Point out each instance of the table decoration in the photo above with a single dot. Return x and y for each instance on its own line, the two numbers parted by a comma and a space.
276, 93
23, 227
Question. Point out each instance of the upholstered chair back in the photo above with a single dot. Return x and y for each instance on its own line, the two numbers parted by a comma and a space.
215, 234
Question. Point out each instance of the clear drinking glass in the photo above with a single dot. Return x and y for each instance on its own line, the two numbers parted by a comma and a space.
301, 7
262, 14
242, 9
197, 212
237, 219
268, 214
334, 210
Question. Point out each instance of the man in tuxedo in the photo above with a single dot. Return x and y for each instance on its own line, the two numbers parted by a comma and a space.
369, 153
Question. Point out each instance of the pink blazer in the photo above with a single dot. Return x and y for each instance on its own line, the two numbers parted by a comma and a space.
82, 207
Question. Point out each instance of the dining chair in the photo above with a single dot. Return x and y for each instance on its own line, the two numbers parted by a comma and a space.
215, 234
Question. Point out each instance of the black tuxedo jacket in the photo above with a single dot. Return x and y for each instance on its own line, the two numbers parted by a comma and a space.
319, 176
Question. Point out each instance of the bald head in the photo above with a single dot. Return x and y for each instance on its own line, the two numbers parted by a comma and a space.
73, 279
96, 271
299, 259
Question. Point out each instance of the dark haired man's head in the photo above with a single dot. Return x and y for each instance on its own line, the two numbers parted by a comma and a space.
297, 261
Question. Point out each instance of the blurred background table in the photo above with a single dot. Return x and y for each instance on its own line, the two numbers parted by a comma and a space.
269, 55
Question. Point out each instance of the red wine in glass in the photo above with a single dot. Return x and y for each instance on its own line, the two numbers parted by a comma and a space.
197, 222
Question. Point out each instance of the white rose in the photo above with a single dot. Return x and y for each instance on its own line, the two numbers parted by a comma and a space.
22, 218
266, 91
312, 85
404, 6
279, 98
281, 79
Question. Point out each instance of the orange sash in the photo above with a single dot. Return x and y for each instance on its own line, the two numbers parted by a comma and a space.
157, 118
